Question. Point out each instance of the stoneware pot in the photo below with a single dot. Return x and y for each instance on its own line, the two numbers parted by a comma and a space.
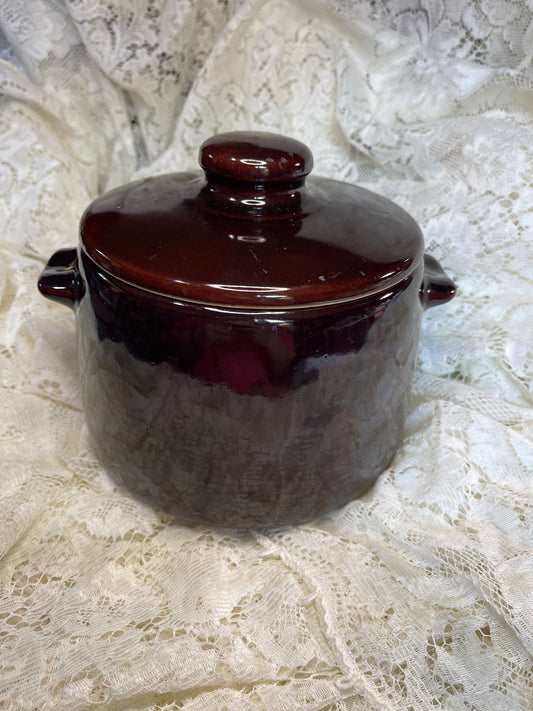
247, 337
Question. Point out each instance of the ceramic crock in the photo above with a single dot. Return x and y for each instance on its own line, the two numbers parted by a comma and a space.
247, 336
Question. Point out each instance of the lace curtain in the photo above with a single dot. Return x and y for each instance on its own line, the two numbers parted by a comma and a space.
419, 594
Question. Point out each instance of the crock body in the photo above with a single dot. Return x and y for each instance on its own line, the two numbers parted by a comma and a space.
245, 418
247, 335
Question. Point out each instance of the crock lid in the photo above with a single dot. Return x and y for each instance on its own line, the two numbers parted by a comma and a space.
252, 232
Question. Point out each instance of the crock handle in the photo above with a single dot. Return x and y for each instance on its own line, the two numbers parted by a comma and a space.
61, 280
437, 287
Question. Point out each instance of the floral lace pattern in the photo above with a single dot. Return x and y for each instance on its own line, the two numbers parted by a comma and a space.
415, 596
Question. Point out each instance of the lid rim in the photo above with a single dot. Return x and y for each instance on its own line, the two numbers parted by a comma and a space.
299, 306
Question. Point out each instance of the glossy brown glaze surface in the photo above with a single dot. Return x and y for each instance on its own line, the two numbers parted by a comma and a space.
247, 338
437, 287
253, 232
256, 157
239, 418
61, 280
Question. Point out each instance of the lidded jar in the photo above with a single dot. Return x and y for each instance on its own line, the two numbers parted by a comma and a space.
247, 334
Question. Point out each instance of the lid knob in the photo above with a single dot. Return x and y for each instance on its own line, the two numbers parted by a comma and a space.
256, 157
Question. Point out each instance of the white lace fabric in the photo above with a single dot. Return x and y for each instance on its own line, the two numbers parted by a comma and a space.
419, 595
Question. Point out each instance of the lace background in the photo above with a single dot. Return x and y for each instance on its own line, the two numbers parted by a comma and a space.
418, 595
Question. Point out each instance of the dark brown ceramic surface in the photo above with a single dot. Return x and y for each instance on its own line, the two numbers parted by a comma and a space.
252, 232
283, 395
245, 419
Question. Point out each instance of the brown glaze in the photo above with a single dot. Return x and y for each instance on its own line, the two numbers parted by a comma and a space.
244, 418
61, 280
256, 157
437, 287
247, 341
239, 239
